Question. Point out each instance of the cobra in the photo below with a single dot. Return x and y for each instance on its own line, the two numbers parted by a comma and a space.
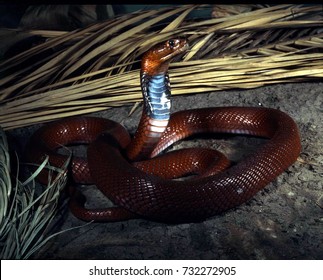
138, 177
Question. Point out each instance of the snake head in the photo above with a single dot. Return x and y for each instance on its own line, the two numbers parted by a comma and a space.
156, 60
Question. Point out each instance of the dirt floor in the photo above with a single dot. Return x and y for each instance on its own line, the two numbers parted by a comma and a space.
284, 221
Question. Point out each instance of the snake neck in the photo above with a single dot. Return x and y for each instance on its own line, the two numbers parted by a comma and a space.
156, 95
155, 116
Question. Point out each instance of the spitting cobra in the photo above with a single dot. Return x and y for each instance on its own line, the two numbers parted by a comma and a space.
140, 179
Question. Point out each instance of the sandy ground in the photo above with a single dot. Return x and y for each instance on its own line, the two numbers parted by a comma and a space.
284, 221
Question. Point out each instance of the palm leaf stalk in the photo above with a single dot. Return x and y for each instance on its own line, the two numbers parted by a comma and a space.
96, 68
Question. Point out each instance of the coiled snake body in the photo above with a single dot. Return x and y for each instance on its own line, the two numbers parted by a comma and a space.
142, 187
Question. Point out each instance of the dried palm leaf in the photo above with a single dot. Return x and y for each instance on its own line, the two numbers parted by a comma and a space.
228, 10
96, 68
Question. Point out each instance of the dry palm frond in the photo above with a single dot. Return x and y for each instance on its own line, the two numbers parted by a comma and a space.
96, 68
24, 216
225, 10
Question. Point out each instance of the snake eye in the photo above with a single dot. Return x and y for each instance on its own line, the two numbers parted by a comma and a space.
172, 43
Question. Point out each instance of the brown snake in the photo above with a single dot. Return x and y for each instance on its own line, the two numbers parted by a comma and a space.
132, 174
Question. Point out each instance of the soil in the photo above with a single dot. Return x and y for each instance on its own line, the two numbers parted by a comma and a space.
284, 221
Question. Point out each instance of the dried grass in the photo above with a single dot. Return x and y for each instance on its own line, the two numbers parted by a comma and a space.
25, 214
